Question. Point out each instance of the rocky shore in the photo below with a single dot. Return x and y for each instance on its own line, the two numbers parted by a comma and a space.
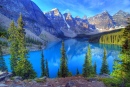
76, 81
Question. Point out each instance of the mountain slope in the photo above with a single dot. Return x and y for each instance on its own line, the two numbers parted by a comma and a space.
33, 18
121, 18
103, 21
57, 20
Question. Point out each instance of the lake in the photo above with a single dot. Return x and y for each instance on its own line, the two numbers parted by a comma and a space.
75, 50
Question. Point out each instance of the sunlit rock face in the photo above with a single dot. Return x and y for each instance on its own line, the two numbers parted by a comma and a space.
70, 26
121, 18
103, 21
33, 17
57, 21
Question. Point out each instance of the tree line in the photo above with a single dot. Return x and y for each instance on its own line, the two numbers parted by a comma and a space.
113, 38
32, 40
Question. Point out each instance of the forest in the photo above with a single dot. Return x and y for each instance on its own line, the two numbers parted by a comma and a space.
112, 38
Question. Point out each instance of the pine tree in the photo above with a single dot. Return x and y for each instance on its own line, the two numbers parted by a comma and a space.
95, 68
43, 65
24, 67
58, 73
77, 72
87, 67
3, 32
63, 64
47, 69
104, 67
13, 39
2, 61
122, 65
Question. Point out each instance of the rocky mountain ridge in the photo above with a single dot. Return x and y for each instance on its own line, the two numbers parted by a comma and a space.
35, 21
98, 23
53, 25
103, 21
66, 24
121, 18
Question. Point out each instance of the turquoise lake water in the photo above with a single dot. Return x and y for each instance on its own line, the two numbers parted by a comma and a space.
75, 50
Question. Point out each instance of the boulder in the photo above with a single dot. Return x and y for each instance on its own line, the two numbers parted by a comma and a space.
70, 84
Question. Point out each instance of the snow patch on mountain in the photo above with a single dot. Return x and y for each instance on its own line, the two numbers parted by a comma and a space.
66, 22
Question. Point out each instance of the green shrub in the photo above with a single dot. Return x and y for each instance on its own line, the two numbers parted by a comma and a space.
40, 80
110, 82
69, 74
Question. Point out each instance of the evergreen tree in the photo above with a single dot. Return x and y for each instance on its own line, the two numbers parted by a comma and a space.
122, 65
13, 39
63, 64
87, 67
2, 61
47, 69
77, 72
95, 68
43, 65
24, 67
104, 67
58, 73
3, 32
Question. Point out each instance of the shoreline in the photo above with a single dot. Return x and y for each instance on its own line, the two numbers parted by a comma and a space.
29, 50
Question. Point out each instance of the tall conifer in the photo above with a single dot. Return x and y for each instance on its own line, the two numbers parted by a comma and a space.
19, 56
47, 69
63, 64
43, 65
87, 67
13, 39
104, 67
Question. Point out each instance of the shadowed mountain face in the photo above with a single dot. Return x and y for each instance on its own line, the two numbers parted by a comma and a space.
34, 19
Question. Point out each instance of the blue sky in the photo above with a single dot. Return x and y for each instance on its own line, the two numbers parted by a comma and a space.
84, 7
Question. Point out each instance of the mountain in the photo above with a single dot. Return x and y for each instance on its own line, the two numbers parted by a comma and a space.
103, 21
68, 26
121, 18
57, 20
84, 25
34, 19
52, 25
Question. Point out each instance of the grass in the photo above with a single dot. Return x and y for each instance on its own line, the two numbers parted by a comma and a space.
40, 80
